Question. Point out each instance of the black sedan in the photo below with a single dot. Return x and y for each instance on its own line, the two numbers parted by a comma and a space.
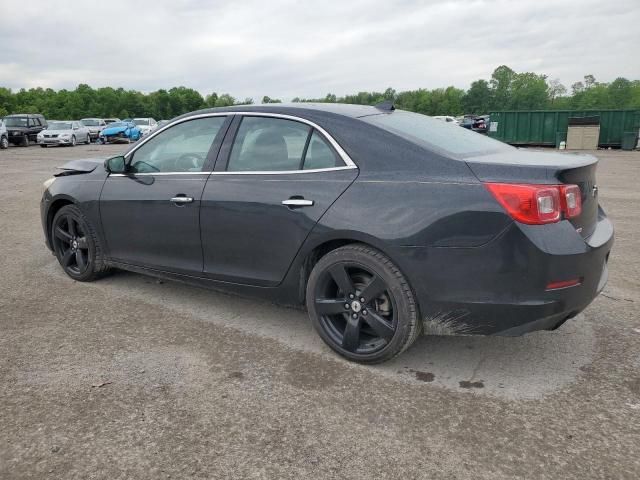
383, 223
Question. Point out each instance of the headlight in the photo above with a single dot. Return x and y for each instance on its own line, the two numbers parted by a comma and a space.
48, 182
40, 135
65, 135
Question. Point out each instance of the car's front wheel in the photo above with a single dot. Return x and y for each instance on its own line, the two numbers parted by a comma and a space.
361, 304
4, 143
25, 141
76, 245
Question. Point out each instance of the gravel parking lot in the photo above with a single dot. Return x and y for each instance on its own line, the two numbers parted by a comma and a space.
131, 377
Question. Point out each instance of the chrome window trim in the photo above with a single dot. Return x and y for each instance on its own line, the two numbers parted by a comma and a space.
349, 164
263, 172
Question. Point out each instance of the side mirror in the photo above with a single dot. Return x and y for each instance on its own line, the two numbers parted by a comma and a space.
115, 165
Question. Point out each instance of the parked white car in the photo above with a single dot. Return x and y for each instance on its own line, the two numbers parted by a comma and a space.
145, 125
95, 126
64, 133
4, 136
448, 119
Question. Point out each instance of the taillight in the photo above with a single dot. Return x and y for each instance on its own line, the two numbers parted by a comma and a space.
537, 204
571, 200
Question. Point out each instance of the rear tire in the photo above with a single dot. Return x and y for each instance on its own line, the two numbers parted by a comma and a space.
77, 246
361, 305
4, 143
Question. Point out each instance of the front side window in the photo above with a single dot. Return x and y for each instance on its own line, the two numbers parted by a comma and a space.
268, 144
182, 148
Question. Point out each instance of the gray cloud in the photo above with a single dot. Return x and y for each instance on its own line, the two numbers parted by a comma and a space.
286, 48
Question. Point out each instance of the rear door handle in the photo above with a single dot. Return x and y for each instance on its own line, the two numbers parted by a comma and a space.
181, 199
297, 202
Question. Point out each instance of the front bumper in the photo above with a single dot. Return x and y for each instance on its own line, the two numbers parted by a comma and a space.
54, 141
500, 287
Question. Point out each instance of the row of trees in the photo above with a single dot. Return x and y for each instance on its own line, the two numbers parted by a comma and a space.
505, 90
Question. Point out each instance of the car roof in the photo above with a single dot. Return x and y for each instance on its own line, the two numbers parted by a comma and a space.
347, 110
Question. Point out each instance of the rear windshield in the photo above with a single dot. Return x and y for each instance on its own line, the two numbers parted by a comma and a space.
437, 135
90, 122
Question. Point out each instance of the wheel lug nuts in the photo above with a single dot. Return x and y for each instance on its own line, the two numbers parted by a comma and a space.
364, 312
362, 299
346, 305
355, 315
351, 295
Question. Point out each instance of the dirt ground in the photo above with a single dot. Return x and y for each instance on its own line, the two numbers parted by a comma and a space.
133, 378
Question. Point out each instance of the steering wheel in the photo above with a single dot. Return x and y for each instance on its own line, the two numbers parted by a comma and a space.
188, 162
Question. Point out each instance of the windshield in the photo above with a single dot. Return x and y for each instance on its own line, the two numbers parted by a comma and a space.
59, 126
15, 121
435, 134
141, 121
89, 122
117, 124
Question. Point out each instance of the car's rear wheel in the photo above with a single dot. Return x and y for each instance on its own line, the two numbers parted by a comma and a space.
4, 143
361, 304
76, 245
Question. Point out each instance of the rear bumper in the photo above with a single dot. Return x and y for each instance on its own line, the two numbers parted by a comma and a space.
501, 288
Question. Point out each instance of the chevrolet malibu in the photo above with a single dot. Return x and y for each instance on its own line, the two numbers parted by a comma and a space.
383, 223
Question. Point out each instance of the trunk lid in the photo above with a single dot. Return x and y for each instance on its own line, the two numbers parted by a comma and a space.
532, 167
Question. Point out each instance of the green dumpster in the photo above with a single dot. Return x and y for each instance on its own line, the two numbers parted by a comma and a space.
629, 140
541, 127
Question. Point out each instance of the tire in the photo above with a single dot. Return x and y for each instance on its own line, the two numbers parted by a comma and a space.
43, 146
371, 331
73, 140
25, 141
88, 142
4, 143
83, 260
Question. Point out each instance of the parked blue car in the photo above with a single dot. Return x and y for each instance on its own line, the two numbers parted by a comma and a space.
120, 132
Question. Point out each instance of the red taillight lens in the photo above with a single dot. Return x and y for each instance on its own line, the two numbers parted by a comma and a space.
537, 204
571, 200
531, 204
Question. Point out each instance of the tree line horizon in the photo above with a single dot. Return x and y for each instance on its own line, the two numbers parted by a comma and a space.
504, 90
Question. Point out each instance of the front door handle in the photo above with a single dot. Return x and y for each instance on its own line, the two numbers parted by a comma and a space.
181, 199
297, 202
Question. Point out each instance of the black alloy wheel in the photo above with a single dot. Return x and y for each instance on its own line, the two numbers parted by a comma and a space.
361, 304
76, 246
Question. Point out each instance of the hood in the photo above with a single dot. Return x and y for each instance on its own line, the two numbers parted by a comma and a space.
79, 166
58, 132
112, 130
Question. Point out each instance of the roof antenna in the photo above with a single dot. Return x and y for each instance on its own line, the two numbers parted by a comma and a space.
387, 106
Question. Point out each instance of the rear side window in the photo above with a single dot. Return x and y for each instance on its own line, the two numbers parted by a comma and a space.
436, 135
320, 154
268, 144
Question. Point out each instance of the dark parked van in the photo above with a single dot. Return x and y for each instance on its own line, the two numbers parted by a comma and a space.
22, 129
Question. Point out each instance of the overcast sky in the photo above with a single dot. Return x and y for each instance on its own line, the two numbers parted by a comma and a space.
285, 48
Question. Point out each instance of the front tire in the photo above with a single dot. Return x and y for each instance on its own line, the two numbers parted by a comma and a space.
73, 141
25, 141
4, 143
361, 305
76, 245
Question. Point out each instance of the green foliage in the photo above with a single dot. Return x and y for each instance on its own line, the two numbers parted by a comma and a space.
505, 90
